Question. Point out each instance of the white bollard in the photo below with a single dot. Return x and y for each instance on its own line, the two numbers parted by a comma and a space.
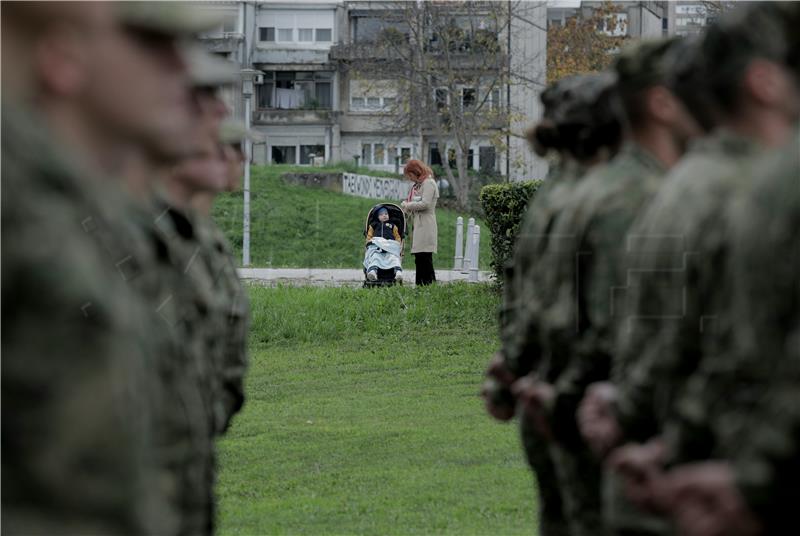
458, 260
468, 246
476, 246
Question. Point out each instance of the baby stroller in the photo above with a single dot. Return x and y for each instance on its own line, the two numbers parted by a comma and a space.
386, 255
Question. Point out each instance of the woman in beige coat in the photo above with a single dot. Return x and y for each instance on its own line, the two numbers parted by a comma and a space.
421, 204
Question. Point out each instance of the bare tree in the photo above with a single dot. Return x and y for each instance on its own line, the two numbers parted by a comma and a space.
450, 63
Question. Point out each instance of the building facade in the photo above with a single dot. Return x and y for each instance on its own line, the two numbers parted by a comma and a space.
636, 19
309, 102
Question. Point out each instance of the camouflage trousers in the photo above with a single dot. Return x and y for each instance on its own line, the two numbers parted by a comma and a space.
579, 476
550, 512
622, 517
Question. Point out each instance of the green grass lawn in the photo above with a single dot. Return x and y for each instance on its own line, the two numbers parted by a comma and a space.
299, 227
363, 417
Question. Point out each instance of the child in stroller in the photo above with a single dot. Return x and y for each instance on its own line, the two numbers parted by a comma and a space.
384, 230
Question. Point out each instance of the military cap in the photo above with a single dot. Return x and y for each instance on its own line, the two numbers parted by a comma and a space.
576, 97
169, 18
645, 64
207, 70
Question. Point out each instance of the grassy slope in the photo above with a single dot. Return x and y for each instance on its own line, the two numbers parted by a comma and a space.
299, 227
353, 428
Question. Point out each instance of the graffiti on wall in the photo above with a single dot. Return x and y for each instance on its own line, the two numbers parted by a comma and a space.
375, 187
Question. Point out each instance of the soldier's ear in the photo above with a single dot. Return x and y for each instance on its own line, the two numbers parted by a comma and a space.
766, 82
661, 104
60, 58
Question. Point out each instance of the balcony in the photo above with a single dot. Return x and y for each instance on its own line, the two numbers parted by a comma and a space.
294, 117
363, 51
223, 43
301, 58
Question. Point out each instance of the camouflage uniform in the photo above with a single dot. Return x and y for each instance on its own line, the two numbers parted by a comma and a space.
677, 292
579, 327
529, 290
232, 314
78, 389
185, 300
744, 398
520, 345
677, 284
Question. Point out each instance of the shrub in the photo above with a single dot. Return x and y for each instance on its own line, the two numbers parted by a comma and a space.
504, 206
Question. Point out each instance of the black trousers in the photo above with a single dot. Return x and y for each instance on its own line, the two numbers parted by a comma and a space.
424, 264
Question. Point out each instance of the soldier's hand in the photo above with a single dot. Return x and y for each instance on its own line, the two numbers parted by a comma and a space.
641, 469
534, 397
496, 391
596, 419
704, 501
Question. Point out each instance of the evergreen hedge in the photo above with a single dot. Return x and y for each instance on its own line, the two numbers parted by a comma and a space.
505, 205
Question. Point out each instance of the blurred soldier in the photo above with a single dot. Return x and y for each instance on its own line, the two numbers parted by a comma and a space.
198, 307
590, 272
678, 314
229, 352
584, 134
748, 388
78, 383
749, 486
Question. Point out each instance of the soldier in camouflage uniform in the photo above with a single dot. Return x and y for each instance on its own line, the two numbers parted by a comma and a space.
78, 339
230, 350
589, 273
678, 314
571, 115
741, 404
185, 298
749, 487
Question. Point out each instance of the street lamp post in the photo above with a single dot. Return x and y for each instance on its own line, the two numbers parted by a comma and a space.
248, 78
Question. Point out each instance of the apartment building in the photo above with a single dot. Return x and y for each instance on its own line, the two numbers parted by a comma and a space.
308, 103
691, 18
637, 19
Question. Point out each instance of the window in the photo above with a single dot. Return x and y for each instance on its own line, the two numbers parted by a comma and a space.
468, 97
486, 159
324, 35
366, 154
296, 90
555, 23
440, 96
305, 35
229, 25
284, 154
357, 103
264, 95
266, 34
323, 94
495, 103
307, 150
373, 103
285, 35
435, 158
389, 102
379, 154
405, 155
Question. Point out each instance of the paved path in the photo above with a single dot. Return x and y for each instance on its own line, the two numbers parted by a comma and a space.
322, 277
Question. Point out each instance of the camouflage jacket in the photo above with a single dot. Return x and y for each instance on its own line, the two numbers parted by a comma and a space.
676, 285
589, 272
78, 384
526, 290
232, 315
750, 388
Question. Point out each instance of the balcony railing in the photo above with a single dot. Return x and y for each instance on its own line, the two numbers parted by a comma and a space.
294, 117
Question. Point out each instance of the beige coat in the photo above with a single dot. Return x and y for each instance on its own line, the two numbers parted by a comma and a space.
423, 209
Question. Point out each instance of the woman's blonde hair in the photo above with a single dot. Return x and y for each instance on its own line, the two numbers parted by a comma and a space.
418, 169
